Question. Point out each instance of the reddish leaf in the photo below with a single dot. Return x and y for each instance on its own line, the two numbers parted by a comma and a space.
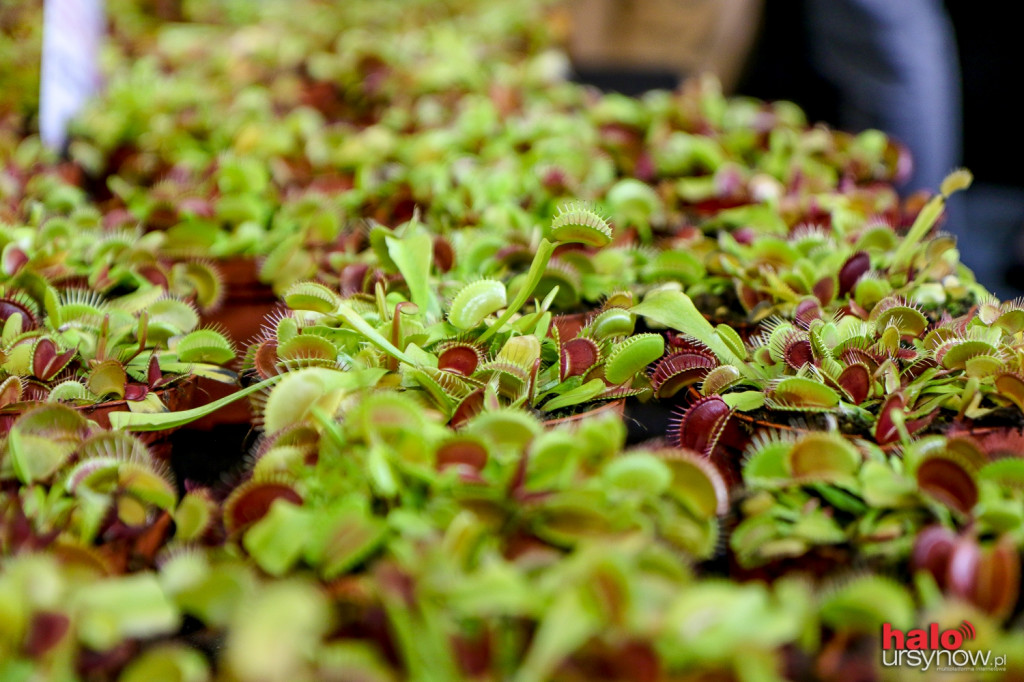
853, 269
153, 373
704, 425
799, 353
14, 259
134, 391
885, 428
45, 632
806, 312
155, 275
9, 306
462, 453
444, 254
679, 370
997, 580
825, 290
459, 358
353, 278
46, 362
947, 481
933, 549
251, 502
578, 355
470, 406
855, 381
265, 359
987, 577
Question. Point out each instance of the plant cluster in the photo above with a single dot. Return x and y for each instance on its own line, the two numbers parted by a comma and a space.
487, 276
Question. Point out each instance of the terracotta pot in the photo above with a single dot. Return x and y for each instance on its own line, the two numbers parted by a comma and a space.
234, 414
570, 325
616, 407
995, 441
247, 303
177, 397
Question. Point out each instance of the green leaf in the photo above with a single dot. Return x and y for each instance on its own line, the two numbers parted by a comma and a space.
567, 624
675, 310
113, 610
131, 421
299, 392
421, 638
356, 321
413, 253
214, 372
494, 590
533, 277
205, 345
167, 662
577, 396
344, 541
475, 301
311, 296
277, 540
151, 404
12, 328
271, 638
42, 440
382, 474
108, 378
629, 357
192, 517
744, 401
866, 602
922, 225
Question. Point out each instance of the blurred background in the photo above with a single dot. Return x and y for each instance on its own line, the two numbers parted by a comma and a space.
932, 74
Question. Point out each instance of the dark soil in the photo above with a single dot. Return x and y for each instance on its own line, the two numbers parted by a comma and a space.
209, 456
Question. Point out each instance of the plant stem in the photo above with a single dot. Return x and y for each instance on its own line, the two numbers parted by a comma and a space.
540, 262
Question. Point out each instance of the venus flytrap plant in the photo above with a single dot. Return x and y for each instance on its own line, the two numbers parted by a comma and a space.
851, 259
452, 370
405, 481
958, 180
819, 495
84, 489
816, 494
453, 357
80, 610
389, 473
74, 248
887, 378
674, 309
80, 348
